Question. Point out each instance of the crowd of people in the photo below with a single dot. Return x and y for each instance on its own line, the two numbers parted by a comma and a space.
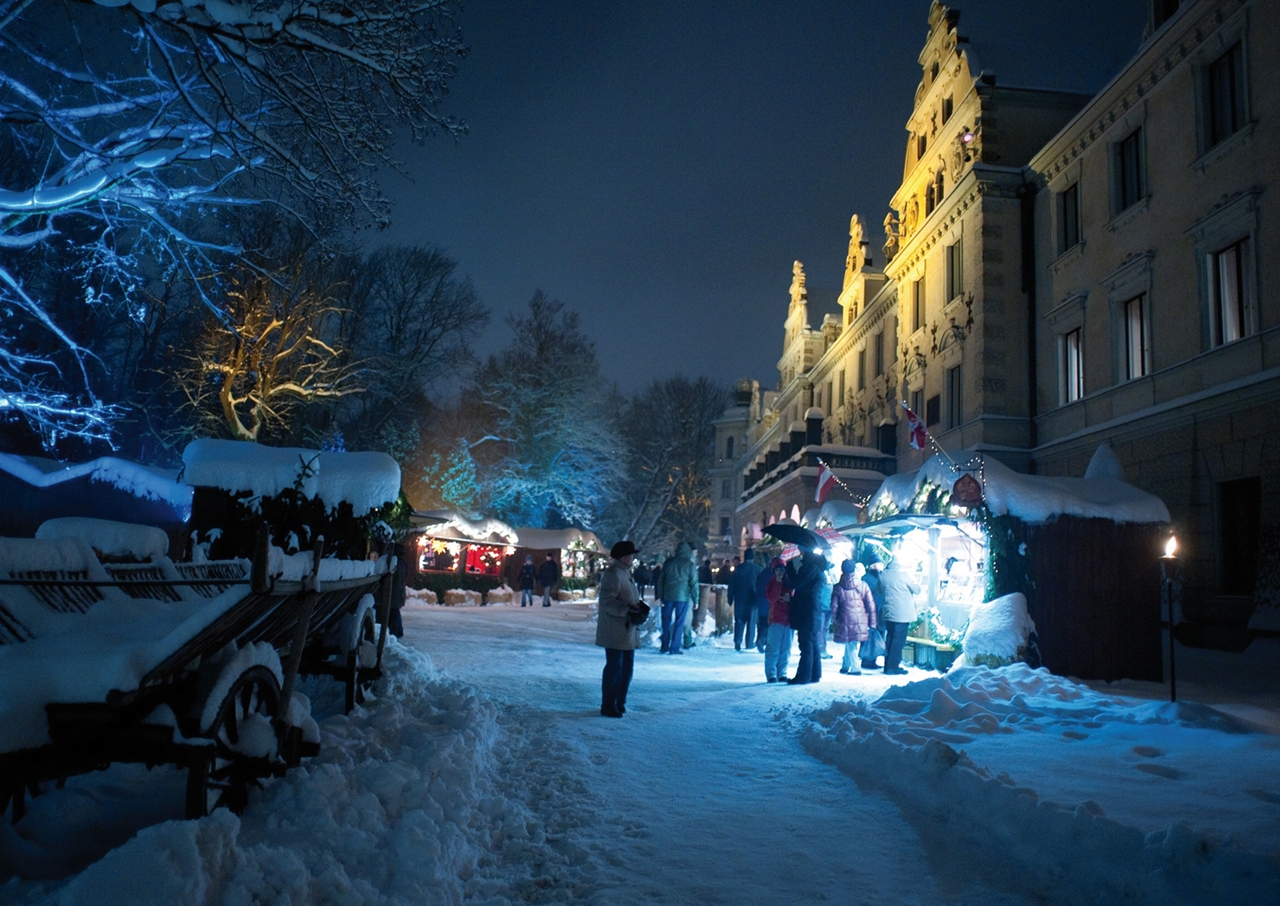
867, 611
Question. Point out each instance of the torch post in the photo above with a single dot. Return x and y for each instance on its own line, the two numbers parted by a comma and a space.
1168, 572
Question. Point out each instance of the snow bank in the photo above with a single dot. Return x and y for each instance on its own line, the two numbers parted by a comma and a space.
111, 539
134, 478
296, 567
65, 554
998, 631
1096, 829
402, 806
1032, 498
365, 480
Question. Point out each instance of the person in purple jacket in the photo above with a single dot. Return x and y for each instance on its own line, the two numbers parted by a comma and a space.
853, 613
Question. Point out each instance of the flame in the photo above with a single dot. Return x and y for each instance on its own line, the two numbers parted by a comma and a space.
1170, 546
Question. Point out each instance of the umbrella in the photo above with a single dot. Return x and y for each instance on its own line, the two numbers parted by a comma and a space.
797, 535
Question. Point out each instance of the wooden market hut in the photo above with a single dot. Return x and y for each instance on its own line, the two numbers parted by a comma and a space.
578, 552
1085, 552
451, 544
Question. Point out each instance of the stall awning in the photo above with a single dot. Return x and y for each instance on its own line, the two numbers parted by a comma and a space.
897, 525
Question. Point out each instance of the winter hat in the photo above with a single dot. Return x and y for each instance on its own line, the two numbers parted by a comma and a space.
847, 567
778, 563
621, 549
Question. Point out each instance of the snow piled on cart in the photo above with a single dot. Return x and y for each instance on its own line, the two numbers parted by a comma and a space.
113, 646
404, 805
365, 480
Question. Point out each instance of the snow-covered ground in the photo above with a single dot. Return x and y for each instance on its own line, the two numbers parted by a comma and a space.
483, 773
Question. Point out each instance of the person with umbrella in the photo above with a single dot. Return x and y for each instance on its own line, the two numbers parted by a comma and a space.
808, 588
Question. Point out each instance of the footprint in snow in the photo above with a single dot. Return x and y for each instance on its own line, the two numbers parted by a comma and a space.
1265, 796
1160, 770
1074, 734
1147, 751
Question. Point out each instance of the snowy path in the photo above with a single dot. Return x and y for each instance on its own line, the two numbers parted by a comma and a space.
702, 793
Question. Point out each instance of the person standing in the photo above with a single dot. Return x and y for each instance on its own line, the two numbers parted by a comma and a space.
873, 647
778, 645
527, 575
724, 575
619, 614
745, 602
853, 613
900, 611
548, 577
679, 590
808, 588
705, 575
642, 577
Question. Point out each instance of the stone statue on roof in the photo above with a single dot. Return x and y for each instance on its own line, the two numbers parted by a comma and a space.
797, 283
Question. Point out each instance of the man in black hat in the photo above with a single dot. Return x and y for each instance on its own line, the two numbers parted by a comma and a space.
619, 615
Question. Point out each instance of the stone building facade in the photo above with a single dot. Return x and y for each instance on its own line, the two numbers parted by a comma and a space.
1026, 225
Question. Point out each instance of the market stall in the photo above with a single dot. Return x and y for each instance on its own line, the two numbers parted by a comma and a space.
448, 543
578, 552
1083, 551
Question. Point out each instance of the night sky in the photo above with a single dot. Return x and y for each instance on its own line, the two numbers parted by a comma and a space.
658, 166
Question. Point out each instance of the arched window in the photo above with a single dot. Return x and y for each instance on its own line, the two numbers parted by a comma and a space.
728, 448
939, 187
930, 199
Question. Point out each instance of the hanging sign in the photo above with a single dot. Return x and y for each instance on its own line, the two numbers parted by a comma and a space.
966, 492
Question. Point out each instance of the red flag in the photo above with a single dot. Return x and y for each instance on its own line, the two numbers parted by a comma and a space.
915, 430
826, 481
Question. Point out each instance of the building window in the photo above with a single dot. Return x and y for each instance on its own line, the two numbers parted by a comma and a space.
933, 410
922, 145
1068, 217
954, 397
877, 348
948, 105
840, 401
726, 488
939, 186
728, 448
724, 522
1226, 94
1226, 290
933, 72
930, 199
917, 304
1070, 372
1136, 347
1129, 175
955, 269
917, 401
862, 369
830, 400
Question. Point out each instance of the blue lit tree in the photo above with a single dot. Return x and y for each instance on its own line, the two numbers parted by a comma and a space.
126, 123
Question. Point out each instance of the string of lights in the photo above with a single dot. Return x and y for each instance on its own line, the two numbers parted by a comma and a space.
859, 500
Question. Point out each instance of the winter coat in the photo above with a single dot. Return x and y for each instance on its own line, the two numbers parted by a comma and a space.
705, 575
742, 587
724, 575
853, 610
680, 576
779, 598
899, 590
808, 589
618, 596
548, 573
527, 573
641, 575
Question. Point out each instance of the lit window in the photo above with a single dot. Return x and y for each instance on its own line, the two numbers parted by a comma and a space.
1072, 373
1135, 337
1226, 312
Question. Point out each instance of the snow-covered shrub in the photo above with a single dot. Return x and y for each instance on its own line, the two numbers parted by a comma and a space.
1000, 633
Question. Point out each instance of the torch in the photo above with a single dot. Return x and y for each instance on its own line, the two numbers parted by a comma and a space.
1168, 569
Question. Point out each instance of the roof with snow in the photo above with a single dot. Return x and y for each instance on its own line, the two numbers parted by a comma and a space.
134, 478
365, 480
454, 525
557, 539
1101, 494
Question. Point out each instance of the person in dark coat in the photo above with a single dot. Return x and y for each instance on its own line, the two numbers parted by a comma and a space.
873, 647
548, 577
808, 588
527, 575
705, 576
745, 601
724, 575
642, 578
395, 623
620, 613
853, 613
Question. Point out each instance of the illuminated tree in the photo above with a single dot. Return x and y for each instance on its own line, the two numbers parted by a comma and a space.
132, 121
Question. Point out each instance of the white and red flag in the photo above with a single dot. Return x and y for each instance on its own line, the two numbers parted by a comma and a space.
915, 430
826, 481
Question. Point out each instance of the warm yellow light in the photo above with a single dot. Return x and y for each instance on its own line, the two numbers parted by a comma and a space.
1170, 546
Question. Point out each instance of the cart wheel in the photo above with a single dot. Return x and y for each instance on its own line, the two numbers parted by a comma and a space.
242, 752
367, 635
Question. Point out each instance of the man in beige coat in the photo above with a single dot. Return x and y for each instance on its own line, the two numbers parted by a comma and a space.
620, 613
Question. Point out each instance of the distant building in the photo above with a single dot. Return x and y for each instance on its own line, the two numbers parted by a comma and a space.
1060, 270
